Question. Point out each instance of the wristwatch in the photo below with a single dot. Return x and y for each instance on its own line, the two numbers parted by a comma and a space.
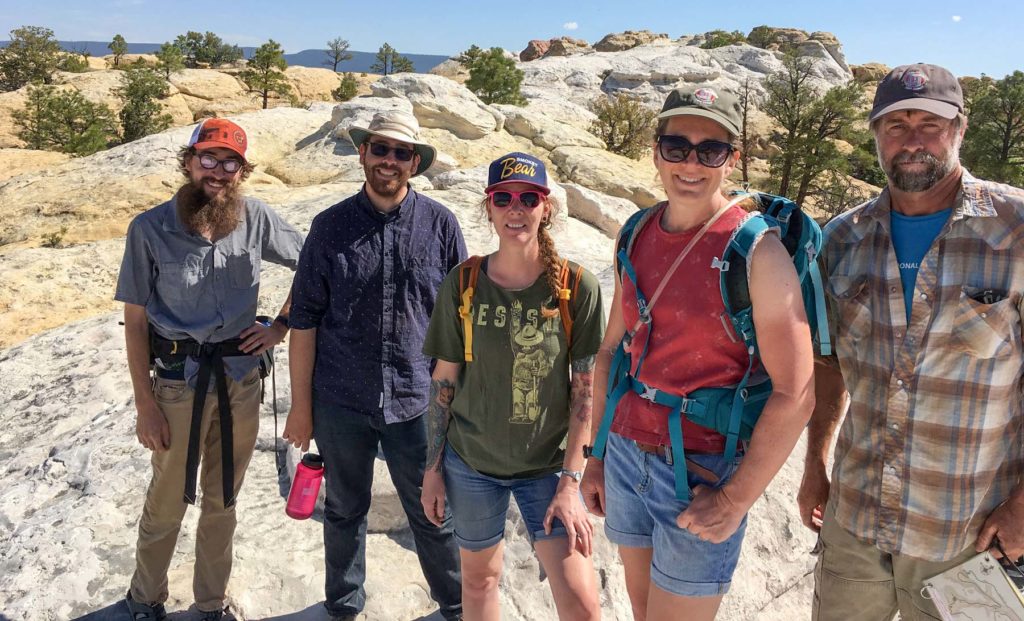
575, 475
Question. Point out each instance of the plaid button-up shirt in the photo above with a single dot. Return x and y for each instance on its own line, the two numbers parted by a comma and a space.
934, 439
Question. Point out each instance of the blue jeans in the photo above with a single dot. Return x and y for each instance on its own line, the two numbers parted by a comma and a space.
641, 513
480, 503
348, 444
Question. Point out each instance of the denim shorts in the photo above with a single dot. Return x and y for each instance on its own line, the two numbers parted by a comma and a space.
641, 513
479, 504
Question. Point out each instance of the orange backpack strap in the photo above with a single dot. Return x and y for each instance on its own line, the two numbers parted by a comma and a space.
566, 292
469, 271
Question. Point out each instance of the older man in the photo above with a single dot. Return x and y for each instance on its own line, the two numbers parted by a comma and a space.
189, 282
363, 294
926, 285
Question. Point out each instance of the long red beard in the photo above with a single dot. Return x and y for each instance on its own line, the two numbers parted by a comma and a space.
200, 214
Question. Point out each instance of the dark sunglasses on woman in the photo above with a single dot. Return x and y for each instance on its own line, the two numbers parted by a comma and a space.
527, 198
230, 165
379, 149
710, 153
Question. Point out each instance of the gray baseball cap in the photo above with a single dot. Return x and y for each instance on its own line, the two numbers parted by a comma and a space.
919, 87
716, 104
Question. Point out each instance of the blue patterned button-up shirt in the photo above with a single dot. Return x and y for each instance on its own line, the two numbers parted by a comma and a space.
367, 282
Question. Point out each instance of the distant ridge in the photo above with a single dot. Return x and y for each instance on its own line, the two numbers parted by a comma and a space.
360, 62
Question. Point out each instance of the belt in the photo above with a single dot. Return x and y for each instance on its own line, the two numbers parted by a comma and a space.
665, 451
211, 362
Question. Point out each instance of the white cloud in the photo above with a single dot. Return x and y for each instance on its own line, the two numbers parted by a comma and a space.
570, 25
957, 18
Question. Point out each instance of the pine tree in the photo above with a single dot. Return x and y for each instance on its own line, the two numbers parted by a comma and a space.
337, 52
493, 76
31, 57
118, 47
389, 61
63, 120
170, 59
141, 114
264, 74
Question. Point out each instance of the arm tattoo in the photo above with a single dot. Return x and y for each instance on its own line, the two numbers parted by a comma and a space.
438, 412
581, 401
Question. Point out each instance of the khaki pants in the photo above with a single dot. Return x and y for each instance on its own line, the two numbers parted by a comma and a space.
165, 507
855, 581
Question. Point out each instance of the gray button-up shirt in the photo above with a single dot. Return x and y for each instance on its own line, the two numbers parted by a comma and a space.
194, 288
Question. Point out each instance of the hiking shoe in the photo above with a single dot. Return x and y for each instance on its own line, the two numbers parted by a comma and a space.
216, 615
144, 612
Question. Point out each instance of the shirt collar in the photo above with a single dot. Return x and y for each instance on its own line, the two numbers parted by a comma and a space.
172, 221
972, 200
403, 207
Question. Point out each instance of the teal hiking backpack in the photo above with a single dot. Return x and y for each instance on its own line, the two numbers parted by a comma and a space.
732, 410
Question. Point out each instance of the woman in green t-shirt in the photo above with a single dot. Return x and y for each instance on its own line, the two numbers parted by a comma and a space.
515, 334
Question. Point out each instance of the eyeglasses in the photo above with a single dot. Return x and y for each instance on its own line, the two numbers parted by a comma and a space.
527, 198
230, 165
710, 153
379, 149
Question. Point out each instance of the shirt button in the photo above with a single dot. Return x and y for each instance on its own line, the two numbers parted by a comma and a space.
924, 296
895, 427
890, 470
899, 383
984, 315
892, 289
899, 334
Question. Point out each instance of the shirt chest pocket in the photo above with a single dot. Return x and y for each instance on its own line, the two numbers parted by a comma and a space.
985, 330
851, 309
178, 280
243, 269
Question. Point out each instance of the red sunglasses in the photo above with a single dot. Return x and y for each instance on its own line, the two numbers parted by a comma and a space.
529, 199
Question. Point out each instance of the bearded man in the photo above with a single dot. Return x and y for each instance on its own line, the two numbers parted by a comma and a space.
363, 294
926, 293
189, 281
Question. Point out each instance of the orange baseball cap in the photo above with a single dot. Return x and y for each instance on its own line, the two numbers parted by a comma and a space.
219, 133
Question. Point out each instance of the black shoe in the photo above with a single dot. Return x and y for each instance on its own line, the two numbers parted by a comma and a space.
144, 612
217, 615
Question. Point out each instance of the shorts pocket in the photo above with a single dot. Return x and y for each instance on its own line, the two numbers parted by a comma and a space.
170, 391
710, 471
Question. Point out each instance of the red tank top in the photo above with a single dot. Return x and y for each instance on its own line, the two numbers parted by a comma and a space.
690, 346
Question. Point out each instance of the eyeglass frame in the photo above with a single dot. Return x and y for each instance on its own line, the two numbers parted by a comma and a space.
695, 148
219, 162
516, 198
388, 149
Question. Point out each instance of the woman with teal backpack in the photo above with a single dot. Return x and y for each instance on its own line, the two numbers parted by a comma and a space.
673, 485
514, 335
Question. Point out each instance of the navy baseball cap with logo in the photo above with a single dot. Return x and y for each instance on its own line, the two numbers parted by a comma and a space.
716, 104
518, 168
919, 87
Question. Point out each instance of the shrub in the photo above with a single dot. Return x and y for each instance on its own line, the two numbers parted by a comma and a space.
624, 123
347, 89
64, 120
55, 239
721, 38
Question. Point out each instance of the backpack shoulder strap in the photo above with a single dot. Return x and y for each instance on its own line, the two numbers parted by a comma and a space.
627, 236
569, 278
469, 271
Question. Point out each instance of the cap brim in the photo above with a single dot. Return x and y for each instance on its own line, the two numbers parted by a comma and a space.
427, 153
543, 189
941, 108
707, 114
200, 146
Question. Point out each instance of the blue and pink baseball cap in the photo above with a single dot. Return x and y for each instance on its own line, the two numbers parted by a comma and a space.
518, 168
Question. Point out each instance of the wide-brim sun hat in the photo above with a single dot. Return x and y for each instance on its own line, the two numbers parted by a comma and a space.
400, 126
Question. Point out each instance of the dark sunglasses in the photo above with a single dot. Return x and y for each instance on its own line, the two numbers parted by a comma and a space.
710, 153
527, 198
379, 149
230, 165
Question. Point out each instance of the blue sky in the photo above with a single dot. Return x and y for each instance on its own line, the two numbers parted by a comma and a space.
967, 37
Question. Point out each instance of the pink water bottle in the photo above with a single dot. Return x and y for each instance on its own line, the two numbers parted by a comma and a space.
305, 487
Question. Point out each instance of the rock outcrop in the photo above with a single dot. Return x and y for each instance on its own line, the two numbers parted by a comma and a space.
621, 41
567, 46
535, 49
